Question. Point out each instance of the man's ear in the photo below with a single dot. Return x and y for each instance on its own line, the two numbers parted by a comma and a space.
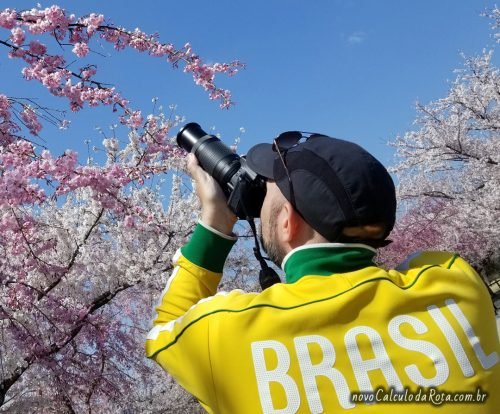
290, 222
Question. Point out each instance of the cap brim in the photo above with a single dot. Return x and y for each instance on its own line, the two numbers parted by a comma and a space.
260, 159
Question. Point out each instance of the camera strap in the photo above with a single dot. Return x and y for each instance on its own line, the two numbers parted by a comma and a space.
267, 275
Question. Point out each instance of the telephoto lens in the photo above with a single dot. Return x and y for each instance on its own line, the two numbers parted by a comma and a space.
244, 189
213, 155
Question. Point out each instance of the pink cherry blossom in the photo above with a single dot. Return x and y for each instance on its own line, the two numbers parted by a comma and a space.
93, 22
17, 36
449, 171
79, 235
135, 120
81, 49
8, 18
37, 48
30, 119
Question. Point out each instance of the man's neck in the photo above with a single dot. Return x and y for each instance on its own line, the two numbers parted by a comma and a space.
326, 259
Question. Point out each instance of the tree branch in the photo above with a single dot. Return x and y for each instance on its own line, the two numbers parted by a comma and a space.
96, 304
73, 256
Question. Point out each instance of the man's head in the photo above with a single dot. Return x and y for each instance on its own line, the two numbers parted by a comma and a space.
321, 190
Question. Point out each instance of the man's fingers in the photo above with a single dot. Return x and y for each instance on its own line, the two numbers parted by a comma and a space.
193, 167
198, 174
191, 160
214, 209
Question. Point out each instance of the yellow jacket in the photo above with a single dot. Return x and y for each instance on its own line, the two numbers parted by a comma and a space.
341, 334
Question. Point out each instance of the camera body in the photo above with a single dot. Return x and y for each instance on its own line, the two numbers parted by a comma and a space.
245, 190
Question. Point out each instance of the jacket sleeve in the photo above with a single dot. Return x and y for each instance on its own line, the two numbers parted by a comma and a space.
196, 275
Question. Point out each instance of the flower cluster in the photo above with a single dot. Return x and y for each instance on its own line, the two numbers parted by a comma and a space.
77, 238
449, 169
51, 70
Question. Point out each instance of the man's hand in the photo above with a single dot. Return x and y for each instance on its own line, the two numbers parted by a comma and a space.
214, 209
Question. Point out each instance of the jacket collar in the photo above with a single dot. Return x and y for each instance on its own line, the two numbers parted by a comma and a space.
325, 259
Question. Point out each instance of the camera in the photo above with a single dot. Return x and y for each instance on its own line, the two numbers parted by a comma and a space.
244, 189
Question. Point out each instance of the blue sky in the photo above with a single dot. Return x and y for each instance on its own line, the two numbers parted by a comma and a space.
348, 68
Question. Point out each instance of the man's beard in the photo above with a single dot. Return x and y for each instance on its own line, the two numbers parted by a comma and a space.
271, 246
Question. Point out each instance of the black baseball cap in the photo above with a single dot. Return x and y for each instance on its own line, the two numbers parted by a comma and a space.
336, 183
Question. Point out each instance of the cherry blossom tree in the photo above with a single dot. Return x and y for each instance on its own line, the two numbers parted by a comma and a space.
448, 171
85, 247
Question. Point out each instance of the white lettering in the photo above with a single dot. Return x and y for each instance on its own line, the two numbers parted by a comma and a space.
487, 361
323, 368
316, 357
424, 347
278, 375
362, 366
452, 339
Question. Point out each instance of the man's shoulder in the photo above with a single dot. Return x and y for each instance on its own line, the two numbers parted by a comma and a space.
438, 262
423, 259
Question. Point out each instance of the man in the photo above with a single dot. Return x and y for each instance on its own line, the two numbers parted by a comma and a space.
341, 333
